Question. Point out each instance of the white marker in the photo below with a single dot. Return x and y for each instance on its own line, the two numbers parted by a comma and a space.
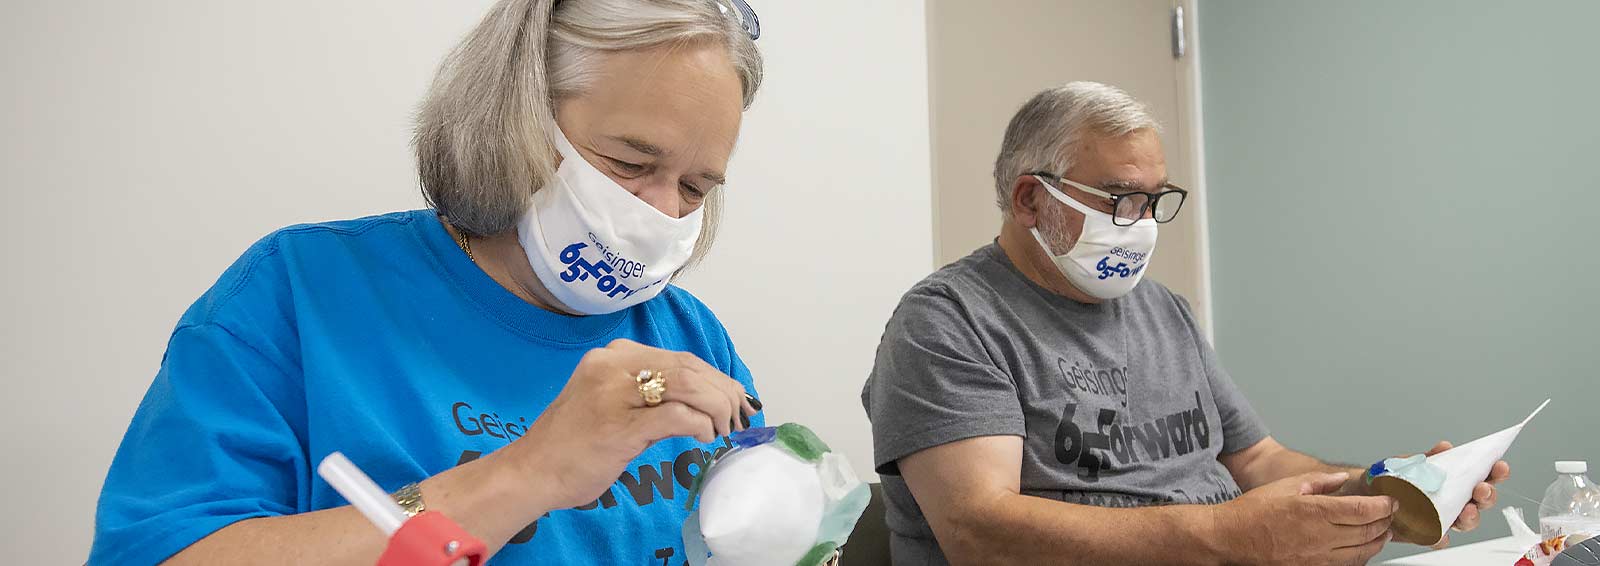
362, 493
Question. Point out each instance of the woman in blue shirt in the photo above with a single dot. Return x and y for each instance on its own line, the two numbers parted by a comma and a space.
514, 357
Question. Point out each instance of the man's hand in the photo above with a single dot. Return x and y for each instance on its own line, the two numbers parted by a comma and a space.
1297, 521
1484, 495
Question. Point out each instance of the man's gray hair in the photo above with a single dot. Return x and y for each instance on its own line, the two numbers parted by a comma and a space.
483, 137
1045, 133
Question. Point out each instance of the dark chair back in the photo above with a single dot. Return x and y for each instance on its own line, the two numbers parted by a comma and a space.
869, 543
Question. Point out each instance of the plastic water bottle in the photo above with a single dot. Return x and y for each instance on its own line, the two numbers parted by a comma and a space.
1571, 504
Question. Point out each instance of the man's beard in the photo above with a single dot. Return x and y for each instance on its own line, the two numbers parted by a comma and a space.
1052, 225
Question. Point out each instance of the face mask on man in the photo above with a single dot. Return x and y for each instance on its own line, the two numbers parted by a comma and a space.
1108, 260
597, 247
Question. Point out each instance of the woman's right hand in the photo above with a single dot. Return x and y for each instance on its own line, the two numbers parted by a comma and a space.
599, 423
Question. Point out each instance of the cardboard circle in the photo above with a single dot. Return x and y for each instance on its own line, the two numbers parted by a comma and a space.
1417, 521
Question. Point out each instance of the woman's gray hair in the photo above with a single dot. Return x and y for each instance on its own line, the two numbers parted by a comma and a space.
483, 137
1045, 133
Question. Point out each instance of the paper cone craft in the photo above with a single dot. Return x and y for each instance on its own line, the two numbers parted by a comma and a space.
780, 497
1433, 489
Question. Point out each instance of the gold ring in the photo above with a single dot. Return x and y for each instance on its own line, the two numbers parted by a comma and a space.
652, 384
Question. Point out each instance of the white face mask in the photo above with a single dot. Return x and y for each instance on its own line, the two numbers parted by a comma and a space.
1108, 260
596, 247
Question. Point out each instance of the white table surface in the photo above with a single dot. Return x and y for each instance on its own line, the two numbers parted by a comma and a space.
1495, 552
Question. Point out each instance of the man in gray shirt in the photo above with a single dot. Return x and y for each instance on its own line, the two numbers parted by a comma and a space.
1038, 402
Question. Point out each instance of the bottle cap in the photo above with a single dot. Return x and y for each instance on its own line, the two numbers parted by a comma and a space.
1572, 467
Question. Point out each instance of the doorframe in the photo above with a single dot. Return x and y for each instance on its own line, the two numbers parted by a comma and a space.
1191, 112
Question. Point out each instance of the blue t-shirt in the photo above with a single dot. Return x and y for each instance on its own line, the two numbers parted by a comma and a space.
378, 338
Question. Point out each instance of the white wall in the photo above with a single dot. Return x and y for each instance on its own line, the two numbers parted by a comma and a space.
831, 218
148, 143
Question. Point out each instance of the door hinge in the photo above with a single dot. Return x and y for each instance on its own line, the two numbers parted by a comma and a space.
1180, 43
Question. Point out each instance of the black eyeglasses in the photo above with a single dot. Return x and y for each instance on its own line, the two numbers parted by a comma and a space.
1130, 207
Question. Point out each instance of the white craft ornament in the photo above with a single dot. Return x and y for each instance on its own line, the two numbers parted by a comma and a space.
762, 504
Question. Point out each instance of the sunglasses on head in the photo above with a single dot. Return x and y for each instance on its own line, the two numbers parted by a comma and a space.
747, 17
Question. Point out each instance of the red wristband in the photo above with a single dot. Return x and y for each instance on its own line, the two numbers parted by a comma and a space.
431, 539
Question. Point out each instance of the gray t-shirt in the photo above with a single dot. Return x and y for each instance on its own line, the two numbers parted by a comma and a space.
1121, 403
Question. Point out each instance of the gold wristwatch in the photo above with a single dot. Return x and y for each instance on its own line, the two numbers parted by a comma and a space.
410, 499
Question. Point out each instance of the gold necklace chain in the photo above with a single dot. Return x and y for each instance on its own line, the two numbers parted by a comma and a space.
466, 244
